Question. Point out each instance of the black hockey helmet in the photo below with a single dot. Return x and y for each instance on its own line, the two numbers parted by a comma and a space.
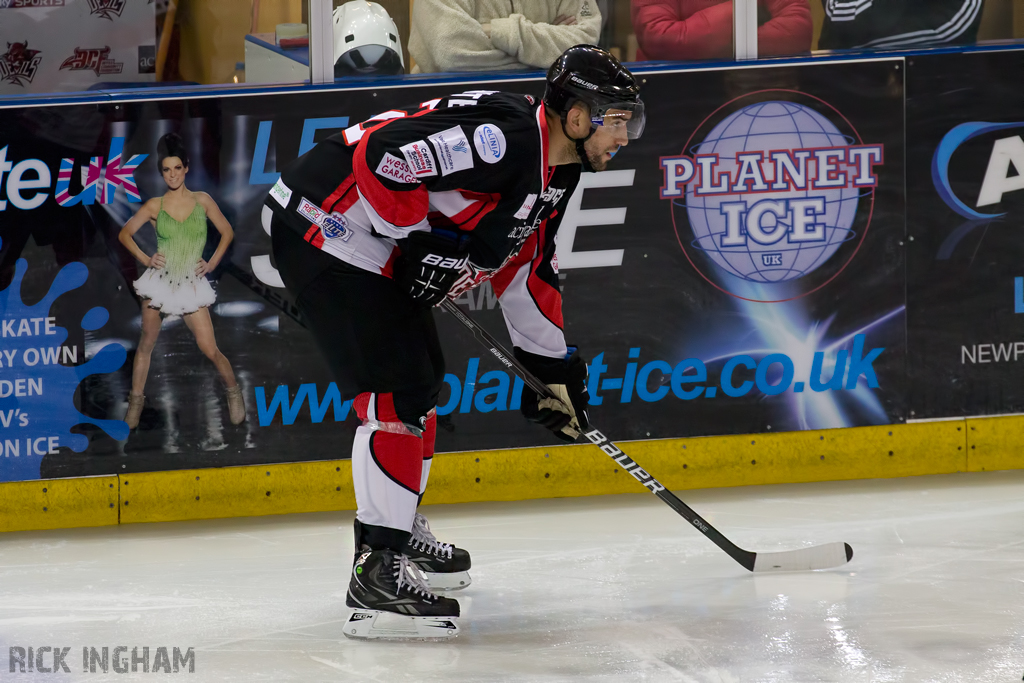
589, 74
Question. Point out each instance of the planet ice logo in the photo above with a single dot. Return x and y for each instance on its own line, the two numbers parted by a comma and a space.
769, 251
772, 191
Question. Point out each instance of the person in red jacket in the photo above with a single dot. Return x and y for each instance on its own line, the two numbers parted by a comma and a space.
702, 29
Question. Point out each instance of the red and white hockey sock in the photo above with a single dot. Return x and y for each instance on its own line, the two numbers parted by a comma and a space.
387, 465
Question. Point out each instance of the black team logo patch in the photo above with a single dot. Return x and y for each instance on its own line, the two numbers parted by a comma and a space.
108, 9
93, 58
19, 64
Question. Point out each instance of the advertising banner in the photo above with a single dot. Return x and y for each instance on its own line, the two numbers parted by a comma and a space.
965, 293
67, 45
739, 269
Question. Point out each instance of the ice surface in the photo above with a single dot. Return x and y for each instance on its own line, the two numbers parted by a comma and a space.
614, 588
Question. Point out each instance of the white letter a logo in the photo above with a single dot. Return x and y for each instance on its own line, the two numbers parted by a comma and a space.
1004, 152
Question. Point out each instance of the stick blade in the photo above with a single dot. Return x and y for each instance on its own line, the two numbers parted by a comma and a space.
806, 559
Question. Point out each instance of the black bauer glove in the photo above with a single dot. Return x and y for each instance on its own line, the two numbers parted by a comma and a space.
567, 379
430, 264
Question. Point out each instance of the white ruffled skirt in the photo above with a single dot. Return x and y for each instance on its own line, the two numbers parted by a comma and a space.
187, 295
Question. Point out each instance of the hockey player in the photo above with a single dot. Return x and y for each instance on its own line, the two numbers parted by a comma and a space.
376, 225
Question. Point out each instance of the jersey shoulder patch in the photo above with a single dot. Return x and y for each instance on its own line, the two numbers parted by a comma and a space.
490, 143
395, 169
524, 211
452, 148
420, 160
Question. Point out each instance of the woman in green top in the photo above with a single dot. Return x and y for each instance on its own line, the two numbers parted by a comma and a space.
175, 280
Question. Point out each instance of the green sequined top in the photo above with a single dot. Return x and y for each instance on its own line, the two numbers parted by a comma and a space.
181, 242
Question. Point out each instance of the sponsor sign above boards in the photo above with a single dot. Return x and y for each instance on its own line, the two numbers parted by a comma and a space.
965, 185
68, 45
739, 269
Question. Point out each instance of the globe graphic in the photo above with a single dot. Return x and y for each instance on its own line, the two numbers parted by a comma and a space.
766, 127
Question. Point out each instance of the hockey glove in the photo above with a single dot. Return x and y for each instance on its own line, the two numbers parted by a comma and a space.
567, 379
430, 264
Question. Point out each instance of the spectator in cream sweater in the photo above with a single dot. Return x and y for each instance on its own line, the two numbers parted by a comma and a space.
498, 35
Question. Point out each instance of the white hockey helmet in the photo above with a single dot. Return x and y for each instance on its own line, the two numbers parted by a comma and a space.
365, 40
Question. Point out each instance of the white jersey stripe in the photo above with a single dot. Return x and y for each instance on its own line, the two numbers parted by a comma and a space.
450, 203
390, 229
953, 28
847, 11
529, 329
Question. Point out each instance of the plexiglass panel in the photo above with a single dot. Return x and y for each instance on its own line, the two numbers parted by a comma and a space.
915, 24
49, 46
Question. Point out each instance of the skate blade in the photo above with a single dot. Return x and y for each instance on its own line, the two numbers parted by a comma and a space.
368, 624
452, 581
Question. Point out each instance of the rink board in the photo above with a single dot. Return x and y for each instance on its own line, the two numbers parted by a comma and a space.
59, 503
947, 446
683, 357
926, 307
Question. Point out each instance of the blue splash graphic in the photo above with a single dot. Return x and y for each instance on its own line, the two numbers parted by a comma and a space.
787, 328
37, 409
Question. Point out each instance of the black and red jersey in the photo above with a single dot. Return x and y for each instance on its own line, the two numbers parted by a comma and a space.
475, 163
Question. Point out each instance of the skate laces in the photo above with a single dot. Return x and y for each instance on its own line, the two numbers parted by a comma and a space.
423, 539
407, 574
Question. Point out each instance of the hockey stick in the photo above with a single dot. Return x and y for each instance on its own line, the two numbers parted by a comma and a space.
817, 557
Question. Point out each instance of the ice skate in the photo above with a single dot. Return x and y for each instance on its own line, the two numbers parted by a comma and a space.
391, 600
446, 567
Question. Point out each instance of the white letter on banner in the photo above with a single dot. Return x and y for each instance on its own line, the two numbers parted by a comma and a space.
576, 217
678, 171
997, 183
16, 182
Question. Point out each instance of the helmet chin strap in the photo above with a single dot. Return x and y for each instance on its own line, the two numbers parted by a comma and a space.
580, 151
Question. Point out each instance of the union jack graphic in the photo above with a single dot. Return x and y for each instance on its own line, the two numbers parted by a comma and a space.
99, 183
88, 194
116, 174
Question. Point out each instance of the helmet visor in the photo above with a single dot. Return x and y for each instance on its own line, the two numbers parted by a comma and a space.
621, 117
